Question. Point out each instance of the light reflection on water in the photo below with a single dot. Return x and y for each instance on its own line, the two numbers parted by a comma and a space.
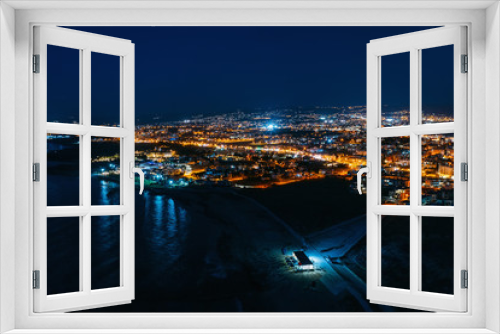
161, 225
164, 228
104, 200
164, 223
105, 260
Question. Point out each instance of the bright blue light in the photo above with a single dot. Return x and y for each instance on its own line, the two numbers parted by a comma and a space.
271, 127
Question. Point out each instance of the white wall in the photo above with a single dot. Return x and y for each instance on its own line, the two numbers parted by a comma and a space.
7, 158
492, 164
484, 116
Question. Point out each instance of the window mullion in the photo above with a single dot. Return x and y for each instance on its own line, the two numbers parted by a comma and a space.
420, 210
86, 162
85, 248
414, 120
397, 131
435, 128
414, 169
86, 121
415, 256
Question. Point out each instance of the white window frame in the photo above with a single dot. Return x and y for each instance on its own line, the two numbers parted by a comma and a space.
85, 43
414, 43
484, 233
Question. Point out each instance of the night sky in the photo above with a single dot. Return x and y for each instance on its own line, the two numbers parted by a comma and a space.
181, 71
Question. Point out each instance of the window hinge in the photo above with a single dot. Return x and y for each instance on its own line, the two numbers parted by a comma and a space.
36, 279
464, 279
465, 64
464, 171
36, 172
36, 63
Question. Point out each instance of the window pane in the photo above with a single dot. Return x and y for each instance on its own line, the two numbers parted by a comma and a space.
396, 251
105, 256
63, 255
63, 168
437, 169
437, 254
105, 171
395, 106
395, 170
105, 89
63, 84
437, 84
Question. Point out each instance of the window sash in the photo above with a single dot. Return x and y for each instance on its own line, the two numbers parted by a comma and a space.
413, 43
86, 297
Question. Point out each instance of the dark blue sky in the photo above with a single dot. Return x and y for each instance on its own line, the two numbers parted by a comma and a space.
182, 71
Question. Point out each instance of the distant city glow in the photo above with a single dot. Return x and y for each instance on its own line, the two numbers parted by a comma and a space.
232, 150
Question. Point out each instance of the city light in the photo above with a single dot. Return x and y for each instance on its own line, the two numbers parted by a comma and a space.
232, 150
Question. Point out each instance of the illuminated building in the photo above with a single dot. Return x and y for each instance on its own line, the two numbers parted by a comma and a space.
303, 262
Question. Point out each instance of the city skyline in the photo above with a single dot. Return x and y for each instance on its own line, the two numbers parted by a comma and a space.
184, 71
